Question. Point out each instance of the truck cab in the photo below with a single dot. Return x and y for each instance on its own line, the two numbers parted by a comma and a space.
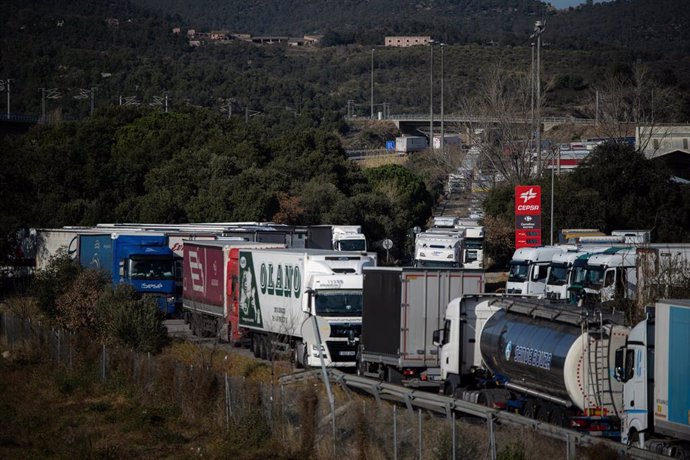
611, 275
349, 238
142, 260
528, 269
439, 249
473, 253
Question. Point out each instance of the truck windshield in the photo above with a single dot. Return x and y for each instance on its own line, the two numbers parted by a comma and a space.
518, 272
558, 275
594, 278
339, 303
474, 243
352, 245
151, 268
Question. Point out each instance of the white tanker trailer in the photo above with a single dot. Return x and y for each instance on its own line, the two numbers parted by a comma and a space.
539, 360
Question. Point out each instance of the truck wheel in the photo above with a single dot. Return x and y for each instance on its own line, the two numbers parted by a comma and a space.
530, 409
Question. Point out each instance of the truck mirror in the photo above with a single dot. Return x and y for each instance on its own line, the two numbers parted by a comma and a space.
436, 338
307, 307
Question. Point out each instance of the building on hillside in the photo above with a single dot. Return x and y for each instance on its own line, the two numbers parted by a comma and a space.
667, 143
220, 35
404, 42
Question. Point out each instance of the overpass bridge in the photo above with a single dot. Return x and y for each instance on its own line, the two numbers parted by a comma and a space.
408, 123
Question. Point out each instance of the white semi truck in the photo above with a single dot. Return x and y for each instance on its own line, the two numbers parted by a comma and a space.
654, 366
528, 269
280, 291
438, 248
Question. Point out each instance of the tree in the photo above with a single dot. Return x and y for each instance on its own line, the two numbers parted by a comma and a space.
630, 102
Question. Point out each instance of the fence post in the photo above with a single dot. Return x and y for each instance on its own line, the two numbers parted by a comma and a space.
227, 402
395, 432
492, 437
419, 411
58, 346
570, 448
103, 357
452, 421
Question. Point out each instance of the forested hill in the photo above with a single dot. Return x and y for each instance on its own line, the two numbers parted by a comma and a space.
652, 25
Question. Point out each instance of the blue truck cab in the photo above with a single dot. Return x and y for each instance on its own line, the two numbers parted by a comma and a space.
144, 261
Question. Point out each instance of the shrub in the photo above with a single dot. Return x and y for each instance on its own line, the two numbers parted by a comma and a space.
76, 309
132, 321
54, 280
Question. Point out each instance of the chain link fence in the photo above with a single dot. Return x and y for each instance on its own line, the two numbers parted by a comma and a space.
295, 416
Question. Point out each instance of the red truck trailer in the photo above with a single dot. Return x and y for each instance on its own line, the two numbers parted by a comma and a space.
210, 290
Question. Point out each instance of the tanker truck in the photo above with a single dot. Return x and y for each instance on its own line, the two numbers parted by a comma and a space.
539, 360
281, 289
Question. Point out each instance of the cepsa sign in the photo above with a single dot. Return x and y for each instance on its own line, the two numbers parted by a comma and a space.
527, 205
527, 200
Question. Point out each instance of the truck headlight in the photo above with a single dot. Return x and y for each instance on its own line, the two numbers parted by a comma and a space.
171, 299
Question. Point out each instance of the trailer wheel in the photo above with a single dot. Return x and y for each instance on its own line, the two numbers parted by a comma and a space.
530, 409
265, 347
255, 345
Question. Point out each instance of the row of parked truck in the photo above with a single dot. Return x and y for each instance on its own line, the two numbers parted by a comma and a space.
435, 328
599, 272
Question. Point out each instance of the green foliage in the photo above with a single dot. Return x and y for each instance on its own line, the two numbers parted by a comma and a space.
404, 195
52, 282
132, 322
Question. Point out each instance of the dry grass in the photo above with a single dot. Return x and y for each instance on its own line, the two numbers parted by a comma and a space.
376, 161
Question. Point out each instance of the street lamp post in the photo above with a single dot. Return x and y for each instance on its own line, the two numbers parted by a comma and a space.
443, 139
538, 31
431, 95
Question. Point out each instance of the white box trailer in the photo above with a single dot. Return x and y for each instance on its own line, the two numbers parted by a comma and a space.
407, 144
281, 289
402, 309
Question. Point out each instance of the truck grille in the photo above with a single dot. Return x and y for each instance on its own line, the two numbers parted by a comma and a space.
342, 330
341, 351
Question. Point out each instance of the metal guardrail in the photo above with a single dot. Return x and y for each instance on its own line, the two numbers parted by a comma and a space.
369, 153
19, 118
482, 119
444, 405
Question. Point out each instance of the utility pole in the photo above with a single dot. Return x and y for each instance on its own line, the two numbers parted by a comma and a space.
43, 104
7, 83
372, 83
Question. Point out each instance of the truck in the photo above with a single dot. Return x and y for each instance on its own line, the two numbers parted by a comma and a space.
528, 269
566, 273
473, 247
439, 248
210, 294
654, 368
281, 290
611, 275
336, 238
141, 259
539, 360
408, 144
402, 307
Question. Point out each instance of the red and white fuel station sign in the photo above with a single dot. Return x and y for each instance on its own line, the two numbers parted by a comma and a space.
527, 216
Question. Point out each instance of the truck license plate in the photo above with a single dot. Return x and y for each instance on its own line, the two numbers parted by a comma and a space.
347, 353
